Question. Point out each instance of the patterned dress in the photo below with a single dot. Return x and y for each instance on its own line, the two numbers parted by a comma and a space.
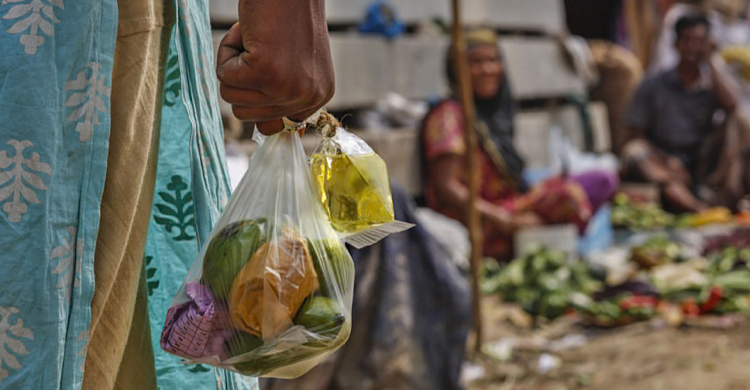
56, 105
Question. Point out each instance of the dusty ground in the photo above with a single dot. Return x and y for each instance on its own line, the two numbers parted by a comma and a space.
641, 356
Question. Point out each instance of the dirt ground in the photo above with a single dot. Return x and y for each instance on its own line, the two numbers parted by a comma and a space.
646, 356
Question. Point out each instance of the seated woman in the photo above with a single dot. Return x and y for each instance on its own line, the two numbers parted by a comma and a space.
505, 202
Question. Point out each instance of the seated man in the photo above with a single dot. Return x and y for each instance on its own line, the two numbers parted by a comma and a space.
671, 118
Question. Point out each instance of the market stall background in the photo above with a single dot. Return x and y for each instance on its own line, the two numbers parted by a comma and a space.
657, 304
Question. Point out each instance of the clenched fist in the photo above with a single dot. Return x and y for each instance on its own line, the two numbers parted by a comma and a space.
276, 62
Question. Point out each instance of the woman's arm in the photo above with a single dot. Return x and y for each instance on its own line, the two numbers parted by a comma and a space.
451, 190
276, 62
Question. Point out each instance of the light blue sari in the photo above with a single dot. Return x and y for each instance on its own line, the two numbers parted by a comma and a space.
55, 89
188, 197
54, 136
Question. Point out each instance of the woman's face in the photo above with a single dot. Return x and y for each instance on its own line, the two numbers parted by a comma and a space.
486, 70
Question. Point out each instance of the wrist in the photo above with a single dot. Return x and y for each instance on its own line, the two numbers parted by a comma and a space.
503, 217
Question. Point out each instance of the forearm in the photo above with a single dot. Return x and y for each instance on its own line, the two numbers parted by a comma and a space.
724, 88
270, 16
455, 192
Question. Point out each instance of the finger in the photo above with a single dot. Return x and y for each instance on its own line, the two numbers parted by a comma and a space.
234, 62
274, 111
246, 97
244, 71
231, 45
270, 127
260, 114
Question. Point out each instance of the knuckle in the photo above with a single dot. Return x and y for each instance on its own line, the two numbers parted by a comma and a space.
322, 93
220, 73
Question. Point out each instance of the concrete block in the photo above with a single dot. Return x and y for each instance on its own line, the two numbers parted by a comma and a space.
224, 11
345, 11
532, 138
364, 70
533, 131
537, 68
413, 11
419, 67
538, 15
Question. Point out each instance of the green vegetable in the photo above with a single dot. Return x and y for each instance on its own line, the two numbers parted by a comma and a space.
319, 315
338, 263
322, 316
733, 305
656, 251
243, 343
542, 282
229, 251
255, 366
639, 216
736, 281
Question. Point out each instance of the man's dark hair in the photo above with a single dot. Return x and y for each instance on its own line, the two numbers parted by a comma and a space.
687, 22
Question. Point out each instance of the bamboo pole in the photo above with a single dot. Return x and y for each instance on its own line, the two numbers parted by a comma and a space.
472, 219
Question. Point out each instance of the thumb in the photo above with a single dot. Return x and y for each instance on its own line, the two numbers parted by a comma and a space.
270, 127
274, 126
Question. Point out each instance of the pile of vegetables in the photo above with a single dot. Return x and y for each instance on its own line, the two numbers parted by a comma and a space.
713, 216
543, 282
719, 283
727, 272
621, 310
666, 282
630, 214
656, 251
738, 239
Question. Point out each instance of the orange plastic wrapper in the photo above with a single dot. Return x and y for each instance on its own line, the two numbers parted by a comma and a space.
261, 301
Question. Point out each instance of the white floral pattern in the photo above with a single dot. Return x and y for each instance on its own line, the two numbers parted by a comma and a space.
87, 99
10, 347
31, 17
22, 181
70, 262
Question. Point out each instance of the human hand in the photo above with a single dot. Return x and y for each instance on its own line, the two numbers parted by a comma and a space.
276, 62
526, 220
710, 48
511, 223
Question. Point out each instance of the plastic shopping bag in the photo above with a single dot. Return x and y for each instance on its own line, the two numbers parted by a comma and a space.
271, 293
353, 186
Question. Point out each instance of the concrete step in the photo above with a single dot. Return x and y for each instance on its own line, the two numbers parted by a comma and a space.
526, 15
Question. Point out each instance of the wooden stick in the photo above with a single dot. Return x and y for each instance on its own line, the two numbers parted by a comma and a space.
472, 218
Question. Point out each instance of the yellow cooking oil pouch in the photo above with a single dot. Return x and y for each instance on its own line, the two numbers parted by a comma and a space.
353, 185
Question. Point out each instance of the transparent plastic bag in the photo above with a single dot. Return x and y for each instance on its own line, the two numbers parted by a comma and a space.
271, 292
353, 186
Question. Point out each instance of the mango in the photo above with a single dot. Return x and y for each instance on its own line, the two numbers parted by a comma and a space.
229, 251
330, 256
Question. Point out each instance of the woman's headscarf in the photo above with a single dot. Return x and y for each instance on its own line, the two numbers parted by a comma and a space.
495, 124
